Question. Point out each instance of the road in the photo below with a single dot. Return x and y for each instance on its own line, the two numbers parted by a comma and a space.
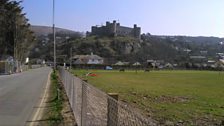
19, 94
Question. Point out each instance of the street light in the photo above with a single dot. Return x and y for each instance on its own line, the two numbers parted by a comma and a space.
54, 37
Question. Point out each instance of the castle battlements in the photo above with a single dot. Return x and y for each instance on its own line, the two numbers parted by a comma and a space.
115, 29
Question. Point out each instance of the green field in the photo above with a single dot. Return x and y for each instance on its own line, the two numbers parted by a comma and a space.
188, 97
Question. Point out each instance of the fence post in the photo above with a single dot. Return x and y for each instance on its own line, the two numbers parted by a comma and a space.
84, 104
112, 109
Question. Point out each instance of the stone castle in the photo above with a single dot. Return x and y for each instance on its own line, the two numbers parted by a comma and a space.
115, 29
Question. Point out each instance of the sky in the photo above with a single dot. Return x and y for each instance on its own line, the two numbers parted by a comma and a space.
157, 17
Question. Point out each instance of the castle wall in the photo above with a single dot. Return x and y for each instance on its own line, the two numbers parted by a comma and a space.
124, 31
114, 29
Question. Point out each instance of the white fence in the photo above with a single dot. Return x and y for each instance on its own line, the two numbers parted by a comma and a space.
15, 67
92, 107
10, 67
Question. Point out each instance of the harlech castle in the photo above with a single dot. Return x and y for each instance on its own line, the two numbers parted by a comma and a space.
115, 29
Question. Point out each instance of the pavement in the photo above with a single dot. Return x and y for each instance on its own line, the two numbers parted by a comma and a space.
19, 94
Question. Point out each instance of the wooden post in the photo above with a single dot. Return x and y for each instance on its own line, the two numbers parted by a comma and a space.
85, 80
58, 93
112, 109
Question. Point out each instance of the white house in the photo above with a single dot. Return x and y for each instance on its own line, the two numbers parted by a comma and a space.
87, 59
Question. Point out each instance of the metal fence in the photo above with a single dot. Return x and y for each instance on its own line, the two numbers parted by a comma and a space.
93, 107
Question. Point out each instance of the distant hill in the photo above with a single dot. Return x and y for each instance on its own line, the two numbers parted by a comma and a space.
46, 30
173, 49
198, 39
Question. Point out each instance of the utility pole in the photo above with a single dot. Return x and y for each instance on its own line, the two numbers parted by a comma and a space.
67, 43
54, 36
71, 58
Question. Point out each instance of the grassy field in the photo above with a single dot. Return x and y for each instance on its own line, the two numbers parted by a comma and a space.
188, 97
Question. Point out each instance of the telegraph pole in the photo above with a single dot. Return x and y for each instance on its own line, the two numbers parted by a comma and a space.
54, 36
70, 58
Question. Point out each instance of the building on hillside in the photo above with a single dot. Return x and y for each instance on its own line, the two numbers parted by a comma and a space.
120, 63
115, 29
198, 59
136, 64
87, 59
220, 55
221, 60
155, 63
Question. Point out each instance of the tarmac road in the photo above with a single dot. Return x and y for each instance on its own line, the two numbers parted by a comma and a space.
19, 94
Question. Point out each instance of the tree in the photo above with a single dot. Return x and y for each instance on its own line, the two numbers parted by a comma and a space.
16, 38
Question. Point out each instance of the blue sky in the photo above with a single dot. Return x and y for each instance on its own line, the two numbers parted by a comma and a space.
158, 17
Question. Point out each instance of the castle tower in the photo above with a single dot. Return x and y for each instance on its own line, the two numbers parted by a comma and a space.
137, 31
114, 28
107, 23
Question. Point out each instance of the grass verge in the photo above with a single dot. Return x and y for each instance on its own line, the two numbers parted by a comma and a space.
52, 113
57, 110
57, 101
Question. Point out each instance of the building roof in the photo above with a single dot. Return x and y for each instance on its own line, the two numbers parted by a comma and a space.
150, 61
211, 61
84, 59
197, 57
79, 61
119, 63
136, 64
87, 57
222, 61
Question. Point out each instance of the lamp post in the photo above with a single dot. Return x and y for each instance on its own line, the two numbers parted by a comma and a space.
54, 37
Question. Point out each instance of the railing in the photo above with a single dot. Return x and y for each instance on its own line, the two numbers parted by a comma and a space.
93, 107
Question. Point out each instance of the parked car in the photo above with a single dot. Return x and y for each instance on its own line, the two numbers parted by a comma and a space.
108, 68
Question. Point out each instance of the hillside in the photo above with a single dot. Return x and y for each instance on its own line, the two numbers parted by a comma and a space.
46, 30
170, 48
173, 49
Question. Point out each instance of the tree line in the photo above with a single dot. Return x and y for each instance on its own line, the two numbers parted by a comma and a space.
16, 39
